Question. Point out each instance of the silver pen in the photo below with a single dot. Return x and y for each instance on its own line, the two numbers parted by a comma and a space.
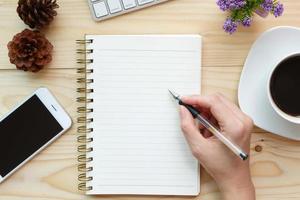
213, 129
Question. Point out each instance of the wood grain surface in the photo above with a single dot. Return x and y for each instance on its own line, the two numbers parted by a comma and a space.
52, 175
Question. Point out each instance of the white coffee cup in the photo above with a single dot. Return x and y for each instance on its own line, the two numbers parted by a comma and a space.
286, 116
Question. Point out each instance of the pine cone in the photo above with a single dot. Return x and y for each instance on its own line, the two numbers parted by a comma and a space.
30, 50
37, 13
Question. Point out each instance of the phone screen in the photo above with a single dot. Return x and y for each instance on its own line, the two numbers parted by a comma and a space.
24, 132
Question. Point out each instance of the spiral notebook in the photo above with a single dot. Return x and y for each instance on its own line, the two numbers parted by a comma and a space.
131, 141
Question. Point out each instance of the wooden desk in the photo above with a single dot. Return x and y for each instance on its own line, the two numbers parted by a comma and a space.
52, 175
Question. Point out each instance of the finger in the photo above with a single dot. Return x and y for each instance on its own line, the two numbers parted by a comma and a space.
189, 128
242, 117
235, 109
213, 103
227, 120
197, 100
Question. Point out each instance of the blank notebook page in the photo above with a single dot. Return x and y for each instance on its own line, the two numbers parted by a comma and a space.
138, 146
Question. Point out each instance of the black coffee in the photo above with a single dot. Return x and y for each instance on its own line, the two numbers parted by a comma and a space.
285, 85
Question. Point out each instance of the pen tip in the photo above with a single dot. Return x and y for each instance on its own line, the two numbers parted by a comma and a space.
175, 96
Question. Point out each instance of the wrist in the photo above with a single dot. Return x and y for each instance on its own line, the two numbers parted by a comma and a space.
239, 187
239, 193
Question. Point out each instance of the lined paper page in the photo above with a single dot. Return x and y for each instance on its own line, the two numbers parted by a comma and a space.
138, 147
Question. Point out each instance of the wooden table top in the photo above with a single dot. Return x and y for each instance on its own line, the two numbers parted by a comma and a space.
52, 175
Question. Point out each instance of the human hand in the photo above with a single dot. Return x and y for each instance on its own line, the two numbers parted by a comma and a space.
231, 174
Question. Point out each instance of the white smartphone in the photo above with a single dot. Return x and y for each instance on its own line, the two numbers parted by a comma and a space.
29, 128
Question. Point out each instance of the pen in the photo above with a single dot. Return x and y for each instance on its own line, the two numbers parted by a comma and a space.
213, 129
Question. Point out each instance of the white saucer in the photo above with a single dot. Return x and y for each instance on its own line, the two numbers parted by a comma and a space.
271, 47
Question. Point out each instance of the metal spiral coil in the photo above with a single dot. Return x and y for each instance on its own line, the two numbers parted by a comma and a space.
84, 80
84, 139
83, 187
85, 90
84, 70
84, 100
88, 41
84, 51
84, 110
83, 121
84, 168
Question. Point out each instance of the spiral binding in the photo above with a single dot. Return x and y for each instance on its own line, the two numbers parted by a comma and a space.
83, 129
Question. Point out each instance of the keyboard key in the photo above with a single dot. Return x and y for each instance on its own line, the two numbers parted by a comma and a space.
100, 9
114, 6
129, 4
105, 9
142, 2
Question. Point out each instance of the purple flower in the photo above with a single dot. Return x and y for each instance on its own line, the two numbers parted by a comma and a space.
247, 21
230, 26
223, 5
267, 5
278, 9
231, 4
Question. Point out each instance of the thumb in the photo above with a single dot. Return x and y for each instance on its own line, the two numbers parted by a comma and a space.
191, 132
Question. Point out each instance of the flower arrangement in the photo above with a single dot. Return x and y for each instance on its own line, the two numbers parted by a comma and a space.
242, 11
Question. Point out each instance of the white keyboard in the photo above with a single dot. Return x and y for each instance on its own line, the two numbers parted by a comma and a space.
104, 9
